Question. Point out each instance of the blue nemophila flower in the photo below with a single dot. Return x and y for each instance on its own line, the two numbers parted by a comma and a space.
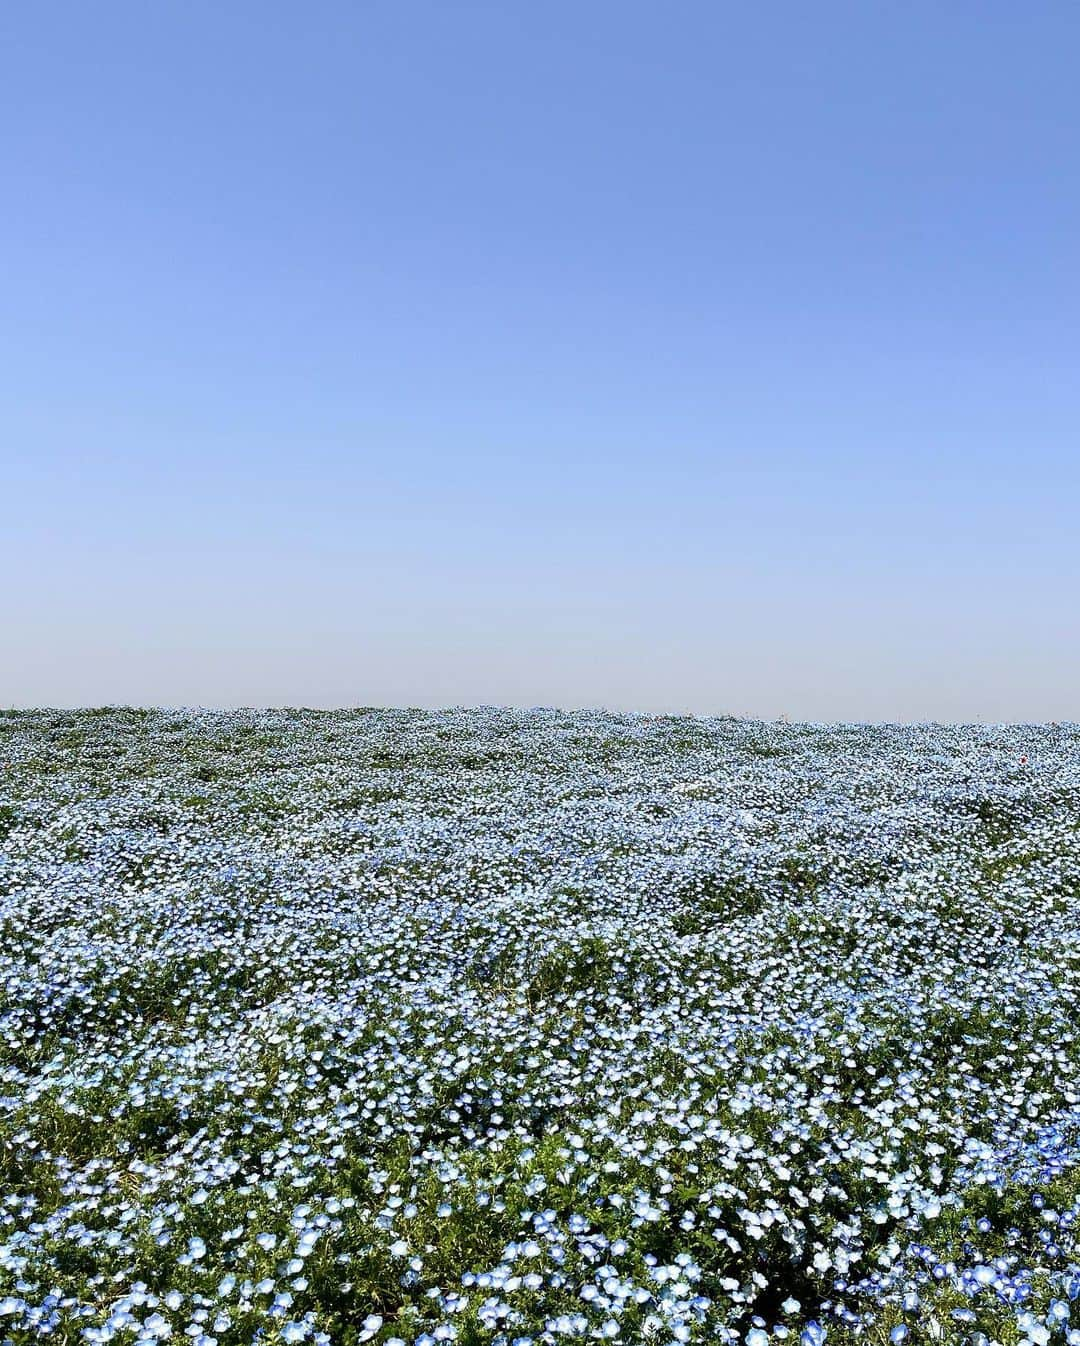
304, 1006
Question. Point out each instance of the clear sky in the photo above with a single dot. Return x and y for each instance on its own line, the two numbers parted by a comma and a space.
701, 356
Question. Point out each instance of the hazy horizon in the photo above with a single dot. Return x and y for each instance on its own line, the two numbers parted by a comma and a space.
720, 362
781, 721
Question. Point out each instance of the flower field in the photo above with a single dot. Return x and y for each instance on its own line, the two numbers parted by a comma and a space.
537, 1027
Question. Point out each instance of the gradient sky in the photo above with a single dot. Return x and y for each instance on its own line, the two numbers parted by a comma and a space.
707, 357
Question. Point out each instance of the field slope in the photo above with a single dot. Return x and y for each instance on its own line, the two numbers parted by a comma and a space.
531, 1027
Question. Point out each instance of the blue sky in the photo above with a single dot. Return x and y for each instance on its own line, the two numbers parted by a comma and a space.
703, 357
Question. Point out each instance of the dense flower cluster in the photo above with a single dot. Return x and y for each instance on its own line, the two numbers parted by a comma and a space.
532, 1028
